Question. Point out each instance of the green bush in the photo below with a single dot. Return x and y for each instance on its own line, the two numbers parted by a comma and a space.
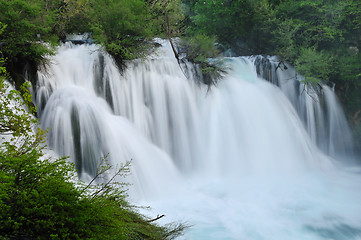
314, 66
121, 26
28, 23
201, 50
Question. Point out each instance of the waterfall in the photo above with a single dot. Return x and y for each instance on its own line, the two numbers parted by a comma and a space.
317, 106
249, 159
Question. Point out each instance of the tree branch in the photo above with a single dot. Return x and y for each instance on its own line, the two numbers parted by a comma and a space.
157, 218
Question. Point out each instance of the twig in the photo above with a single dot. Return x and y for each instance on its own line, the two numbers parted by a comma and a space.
279, 66
157, 218
308, 93
176, 55
98, 173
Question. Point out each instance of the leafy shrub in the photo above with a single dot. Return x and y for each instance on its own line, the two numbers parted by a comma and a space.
201, 50
314, 65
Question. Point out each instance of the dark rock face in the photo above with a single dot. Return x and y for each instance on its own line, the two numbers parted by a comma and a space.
266, 70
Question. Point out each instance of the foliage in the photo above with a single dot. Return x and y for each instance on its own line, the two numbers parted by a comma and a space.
284, 38
202, 50
72, 16
353, 14
2, 68
230, 21
121, 26
2, 60
167, 17
27, 25
315, 66
243, 25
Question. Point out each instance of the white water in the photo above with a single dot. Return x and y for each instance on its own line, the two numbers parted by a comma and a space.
317, 106
236, 163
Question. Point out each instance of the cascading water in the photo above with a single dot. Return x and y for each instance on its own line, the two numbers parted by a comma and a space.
237, 162
316, 106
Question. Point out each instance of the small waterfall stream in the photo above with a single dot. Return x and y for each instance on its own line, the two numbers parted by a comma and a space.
317, 106
247, 160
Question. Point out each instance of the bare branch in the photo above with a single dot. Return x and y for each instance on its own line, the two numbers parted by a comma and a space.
157, 218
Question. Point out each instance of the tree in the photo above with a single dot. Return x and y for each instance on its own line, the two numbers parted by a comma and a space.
121, 26
202, 51
230, 21
27, 25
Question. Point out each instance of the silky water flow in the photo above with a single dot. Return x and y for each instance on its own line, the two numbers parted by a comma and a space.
258, 157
